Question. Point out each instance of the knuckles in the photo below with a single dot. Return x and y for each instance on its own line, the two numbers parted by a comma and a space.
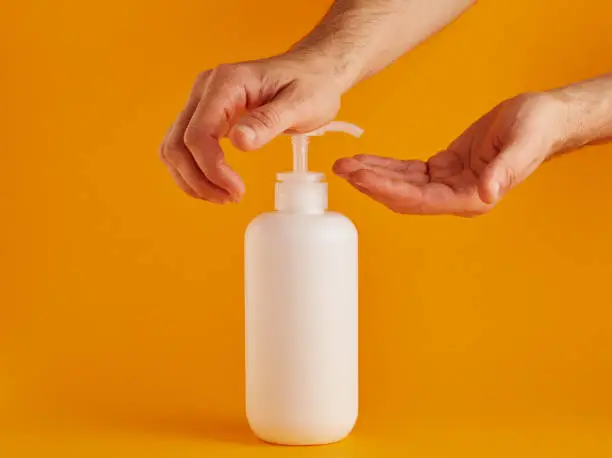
231, 72
268, 118
190, 138
170, 152
222, 75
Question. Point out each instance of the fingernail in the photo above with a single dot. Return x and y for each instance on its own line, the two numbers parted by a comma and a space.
247, 132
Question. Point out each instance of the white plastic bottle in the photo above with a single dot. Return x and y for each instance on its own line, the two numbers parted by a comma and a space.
301, 312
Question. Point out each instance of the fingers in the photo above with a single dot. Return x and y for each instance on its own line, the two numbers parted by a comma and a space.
391, 163
396, 184
266, 98
178, 179
225, 94
478, 143
209, 159
406, 187
396, 194
508, 169
264, 123
178, 159
407, 198
414, 172
190, 178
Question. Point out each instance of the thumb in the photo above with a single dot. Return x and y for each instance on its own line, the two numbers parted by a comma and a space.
262, 124
508, 169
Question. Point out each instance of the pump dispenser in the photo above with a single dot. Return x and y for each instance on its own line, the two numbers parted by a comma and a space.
301, 190
301, 311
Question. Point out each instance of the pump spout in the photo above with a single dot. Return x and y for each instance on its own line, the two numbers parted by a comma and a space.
300, 141
337, 126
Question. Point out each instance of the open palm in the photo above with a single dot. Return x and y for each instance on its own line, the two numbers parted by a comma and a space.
494, 154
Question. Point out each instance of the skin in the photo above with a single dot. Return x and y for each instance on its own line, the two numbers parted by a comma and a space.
492, 156
300, 90
250, 103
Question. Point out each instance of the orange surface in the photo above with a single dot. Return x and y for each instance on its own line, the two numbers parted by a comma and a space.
121, 317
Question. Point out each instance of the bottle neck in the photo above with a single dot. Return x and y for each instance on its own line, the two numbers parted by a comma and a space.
301, 193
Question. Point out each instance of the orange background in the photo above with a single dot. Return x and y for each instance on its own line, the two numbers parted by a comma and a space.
121, 317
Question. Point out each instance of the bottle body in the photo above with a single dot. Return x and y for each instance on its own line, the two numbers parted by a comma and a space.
301, 327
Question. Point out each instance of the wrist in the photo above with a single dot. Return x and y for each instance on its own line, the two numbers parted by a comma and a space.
339, 67
554, 122
581, 116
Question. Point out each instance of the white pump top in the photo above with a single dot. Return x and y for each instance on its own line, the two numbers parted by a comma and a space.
302, 191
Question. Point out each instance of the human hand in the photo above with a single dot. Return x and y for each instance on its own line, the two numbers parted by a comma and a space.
251, 103
492, 156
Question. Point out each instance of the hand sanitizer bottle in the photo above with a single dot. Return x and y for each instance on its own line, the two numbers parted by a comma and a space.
301, 311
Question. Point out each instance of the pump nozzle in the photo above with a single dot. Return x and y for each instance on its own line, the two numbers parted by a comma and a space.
300, 141
301, 190
337, 126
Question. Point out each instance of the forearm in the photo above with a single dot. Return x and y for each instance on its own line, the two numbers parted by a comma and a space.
587, 110
361, 37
